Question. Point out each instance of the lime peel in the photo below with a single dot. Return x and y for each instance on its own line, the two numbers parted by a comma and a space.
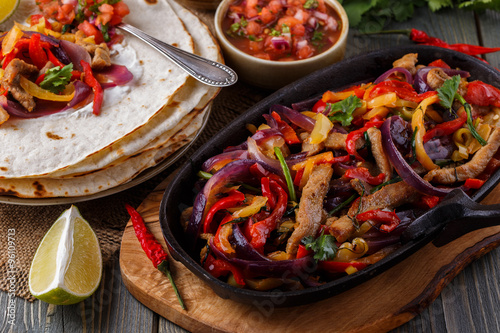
7, 8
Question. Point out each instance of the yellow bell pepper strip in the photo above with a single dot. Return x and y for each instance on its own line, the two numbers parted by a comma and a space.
34, 90
95, 85
322, 127
253, 208
389, 220
233, 199
224, 231
417, 121
10, 40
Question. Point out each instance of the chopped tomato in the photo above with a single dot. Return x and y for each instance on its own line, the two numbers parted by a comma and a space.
66, 14
91, 30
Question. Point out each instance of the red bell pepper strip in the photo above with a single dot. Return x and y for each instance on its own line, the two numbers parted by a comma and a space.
446, 128
428, 201
36, 52
53, 59
389, 220
285, 129
35, 19
266, 192
339, 266
298, 177
95, 85
261, 230
234, 199
403, 90
353, 136
20, 47
319, 106
220, 267
439, 63
152, 248
482, 94
473, 183
40, 79
258, 171
303, 252
364, 174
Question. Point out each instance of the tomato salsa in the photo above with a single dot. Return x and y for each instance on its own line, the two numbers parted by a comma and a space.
282, 30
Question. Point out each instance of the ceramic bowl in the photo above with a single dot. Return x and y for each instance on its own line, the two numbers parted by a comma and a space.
276, 74
181, 192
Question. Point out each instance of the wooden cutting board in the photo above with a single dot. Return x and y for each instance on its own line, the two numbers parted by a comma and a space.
208, 312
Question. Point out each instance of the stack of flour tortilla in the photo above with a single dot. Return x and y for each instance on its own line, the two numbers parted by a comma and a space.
74, 154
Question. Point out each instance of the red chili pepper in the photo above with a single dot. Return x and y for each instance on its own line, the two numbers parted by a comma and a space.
95, 85
473, 183
233, 199
421, 37
339, 266
36, 52
389, 220
220, 267
266, 192
364, 174
446, 128
261, 230
482, 94
285, 129
152, 248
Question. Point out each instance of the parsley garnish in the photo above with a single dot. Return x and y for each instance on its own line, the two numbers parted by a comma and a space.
274, 33
317, 36
285, 29
324, 247
57, 78
347, 107
448, 93
310, 4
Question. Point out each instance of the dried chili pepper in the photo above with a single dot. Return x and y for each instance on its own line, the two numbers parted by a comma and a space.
152, 248
421, 37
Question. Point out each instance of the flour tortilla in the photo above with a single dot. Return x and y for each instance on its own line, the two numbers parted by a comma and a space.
37, 147
125, 168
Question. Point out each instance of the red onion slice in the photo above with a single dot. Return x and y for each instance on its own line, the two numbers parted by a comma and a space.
407, 74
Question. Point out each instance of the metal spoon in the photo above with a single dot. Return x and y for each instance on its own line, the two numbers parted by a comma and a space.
204, 70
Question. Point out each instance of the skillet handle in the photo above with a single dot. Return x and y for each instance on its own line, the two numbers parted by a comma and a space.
455, 216
474, 216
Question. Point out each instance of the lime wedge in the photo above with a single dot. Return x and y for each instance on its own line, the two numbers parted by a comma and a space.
67, 266
7, 8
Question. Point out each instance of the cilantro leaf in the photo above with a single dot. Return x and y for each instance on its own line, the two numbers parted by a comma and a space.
324, 246
57, 78
448, 91
342, 111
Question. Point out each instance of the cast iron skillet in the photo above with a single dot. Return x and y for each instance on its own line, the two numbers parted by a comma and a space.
180, 193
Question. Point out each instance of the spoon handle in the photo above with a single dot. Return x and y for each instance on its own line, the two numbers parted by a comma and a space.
204, 70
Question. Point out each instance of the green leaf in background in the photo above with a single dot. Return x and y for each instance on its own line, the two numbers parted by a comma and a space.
436, 5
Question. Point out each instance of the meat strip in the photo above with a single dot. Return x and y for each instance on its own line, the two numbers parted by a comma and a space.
378, 152
311, 149
470, 169
408, 61
310, 212
12, 78
390, 197
100, 54
336, 141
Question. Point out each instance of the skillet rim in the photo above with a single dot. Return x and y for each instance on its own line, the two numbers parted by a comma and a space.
169, 218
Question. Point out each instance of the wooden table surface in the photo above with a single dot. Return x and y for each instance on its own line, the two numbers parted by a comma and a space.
468, 304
